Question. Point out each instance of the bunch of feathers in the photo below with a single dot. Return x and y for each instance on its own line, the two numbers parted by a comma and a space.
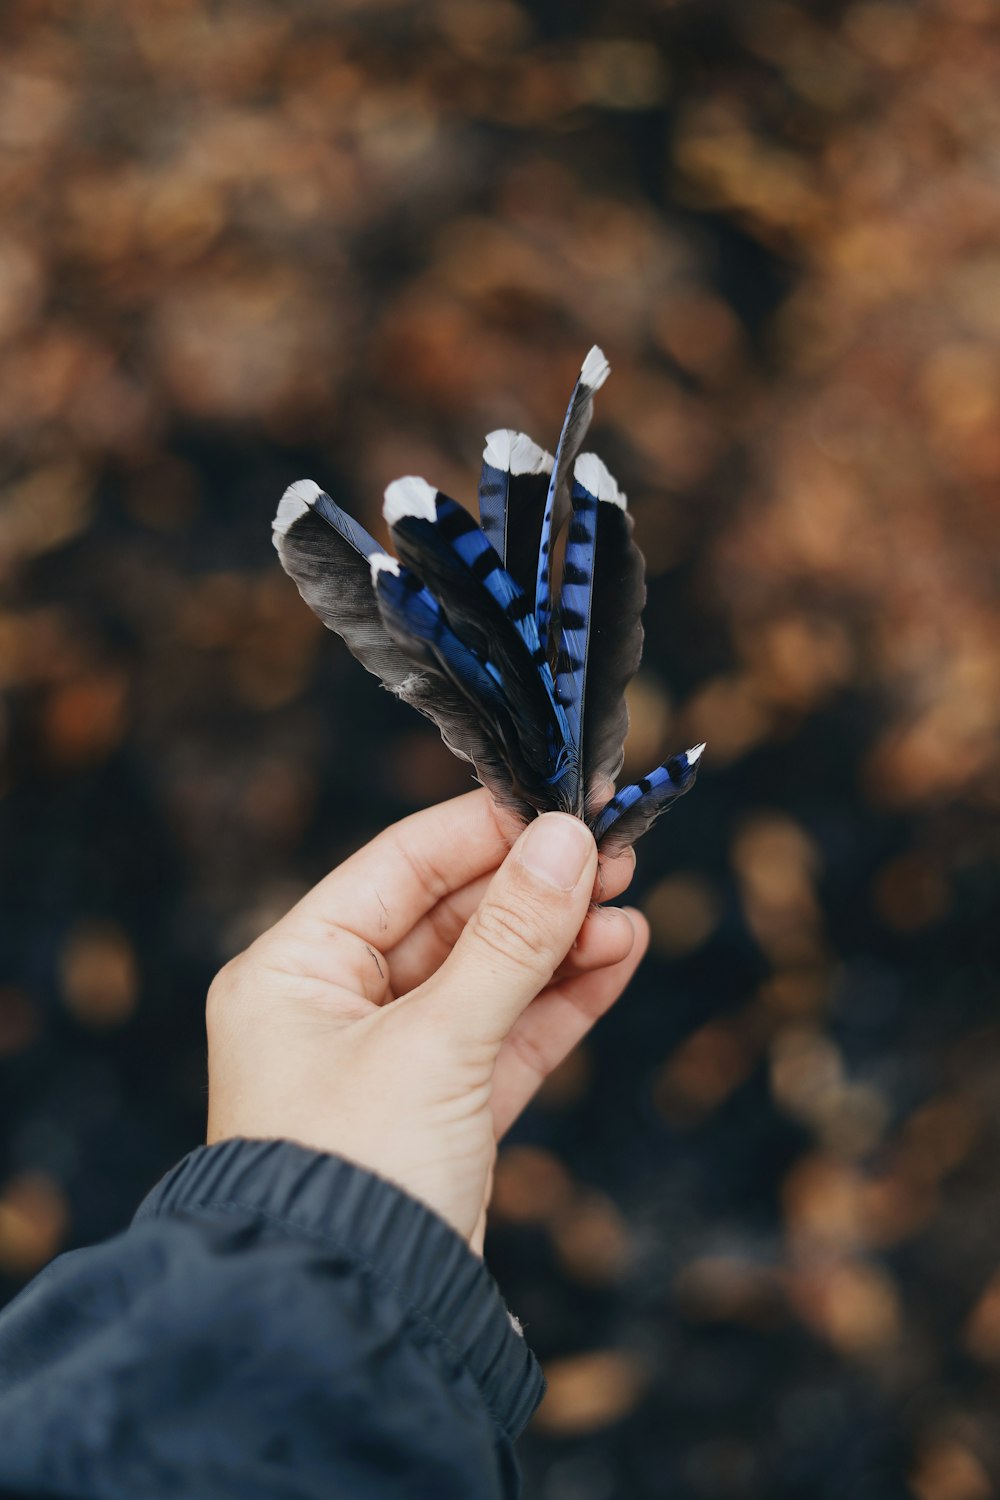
524, 679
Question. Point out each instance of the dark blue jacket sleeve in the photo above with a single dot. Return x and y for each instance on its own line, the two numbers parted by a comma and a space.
276, 1324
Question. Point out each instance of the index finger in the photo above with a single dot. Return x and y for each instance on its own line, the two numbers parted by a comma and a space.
383, 889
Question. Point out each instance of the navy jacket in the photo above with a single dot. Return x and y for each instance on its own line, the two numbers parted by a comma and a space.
276, 1324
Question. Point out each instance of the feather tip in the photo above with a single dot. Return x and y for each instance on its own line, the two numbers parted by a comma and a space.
294, 503
381, 562
595, 369
515, 453
593, 475
410, 496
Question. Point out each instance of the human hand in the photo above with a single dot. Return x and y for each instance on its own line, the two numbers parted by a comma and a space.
493, 974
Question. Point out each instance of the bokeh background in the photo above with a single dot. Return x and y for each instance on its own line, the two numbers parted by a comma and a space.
753, 1227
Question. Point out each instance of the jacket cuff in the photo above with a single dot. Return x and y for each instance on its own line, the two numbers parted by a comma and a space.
400, 1243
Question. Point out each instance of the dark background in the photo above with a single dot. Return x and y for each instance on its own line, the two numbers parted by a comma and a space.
753, 1227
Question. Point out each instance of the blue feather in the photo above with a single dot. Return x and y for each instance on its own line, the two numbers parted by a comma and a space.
461, 625
413, 616
614, 645
416, 620
434, 528
329, 556
513, 485
593, 373
635, 807
592, 484
485, 607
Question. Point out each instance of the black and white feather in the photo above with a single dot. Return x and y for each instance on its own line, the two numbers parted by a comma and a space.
522, 667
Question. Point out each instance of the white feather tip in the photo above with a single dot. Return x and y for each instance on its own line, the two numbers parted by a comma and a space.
294, 503
595, 369
694, 756
591, 473
410, 497
381, 562
515, 453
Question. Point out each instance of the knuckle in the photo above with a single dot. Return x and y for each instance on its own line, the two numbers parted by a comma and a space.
225, 990
224, 982
530, 1053
446, 922
428, 875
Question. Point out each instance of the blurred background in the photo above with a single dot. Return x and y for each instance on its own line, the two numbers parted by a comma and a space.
753, 1227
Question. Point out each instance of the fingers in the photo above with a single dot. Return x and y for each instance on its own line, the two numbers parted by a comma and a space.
604, 938
551, 1027
380, 892
614, 875
390, 885
522, 930
428, 944
601, 791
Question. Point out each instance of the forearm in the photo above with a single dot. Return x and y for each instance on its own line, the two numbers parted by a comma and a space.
275, 1321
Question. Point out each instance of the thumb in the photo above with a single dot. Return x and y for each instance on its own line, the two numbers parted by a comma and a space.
523, 929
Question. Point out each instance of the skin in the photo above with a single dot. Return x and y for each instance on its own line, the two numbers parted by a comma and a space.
405, 1010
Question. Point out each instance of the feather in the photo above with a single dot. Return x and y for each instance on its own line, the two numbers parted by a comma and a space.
591, 481
600, 632
484, 606
593, 373
614, 648
414, 619
416, 622
513, 485
462, 624
440, 540
328, 557
636, 807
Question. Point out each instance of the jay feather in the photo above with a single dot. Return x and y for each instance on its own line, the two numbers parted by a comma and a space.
524, 676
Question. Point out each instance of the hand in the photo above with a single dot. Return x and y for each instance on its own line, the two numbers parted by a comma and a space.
493, 974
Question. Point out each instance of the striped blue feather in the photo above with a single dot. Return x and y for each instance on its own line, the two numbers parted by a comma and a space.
592, 484
412, 613
462, 625
441, 542
634, 808
513, 484
593, 373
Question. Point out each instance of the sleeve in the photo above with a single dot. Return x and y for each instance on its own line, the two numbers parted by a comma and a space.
276, 1324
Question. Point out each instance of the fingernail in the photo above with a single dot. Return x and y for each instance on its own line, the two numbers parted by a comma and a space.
557, 849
